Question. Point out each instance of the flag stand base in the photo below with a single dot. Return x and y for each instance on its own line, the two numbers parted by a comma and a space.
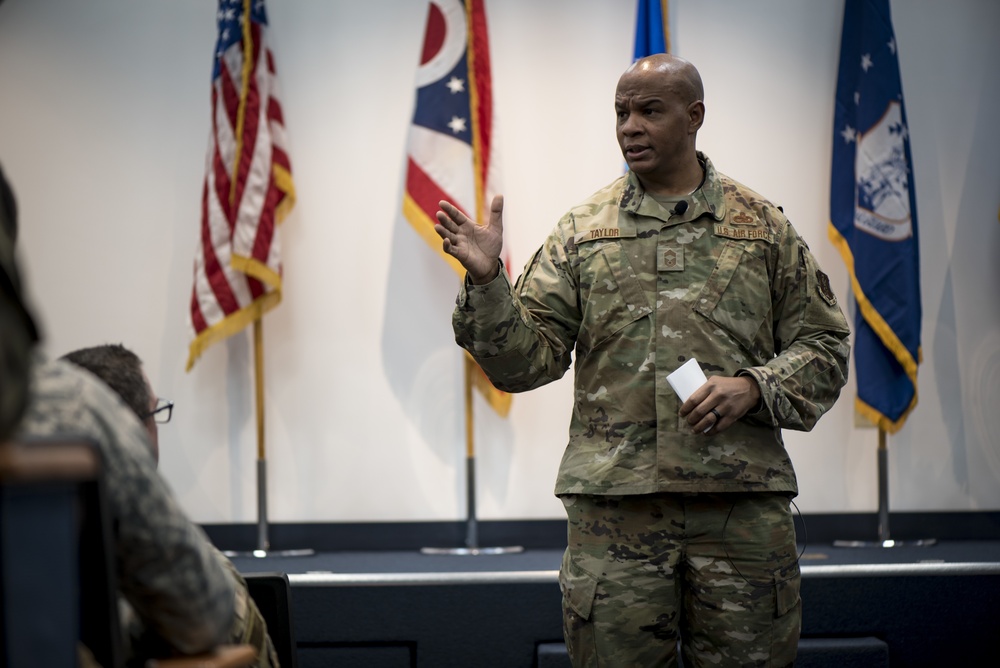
472, 540
887, 543
264, 550
263, 554
472, 551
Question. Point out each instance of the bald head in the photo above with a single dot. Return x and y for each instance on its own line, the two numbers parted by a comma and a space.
659, 109
675, 72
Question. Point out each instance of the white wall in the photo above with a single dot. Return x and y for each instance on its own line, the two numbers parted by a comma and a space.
105, 119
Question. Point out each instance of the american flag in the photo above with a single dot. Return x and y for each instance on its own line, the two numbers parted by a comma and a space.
450, 153
248, 186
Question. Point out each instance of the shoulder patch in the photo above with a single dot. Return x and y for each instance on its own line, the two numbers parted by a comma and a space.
823, 287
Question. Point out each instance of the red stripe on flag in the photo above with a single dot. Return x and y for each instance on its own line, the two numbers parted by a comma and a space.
257, 289
434, 35
221, 172
424, 191
221, 289
265, 224
480, 47
197, 319
274, 112
251, 112
230, 93
280, 158
221, 190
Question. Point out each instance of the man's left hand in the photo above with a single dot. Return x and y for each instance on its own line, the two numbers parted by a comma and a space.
720, 402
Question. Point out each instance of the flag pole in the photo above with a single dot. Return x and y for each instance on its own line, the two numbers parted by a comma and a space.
884, 535
471, 534
883, 489
471, 524
263, 540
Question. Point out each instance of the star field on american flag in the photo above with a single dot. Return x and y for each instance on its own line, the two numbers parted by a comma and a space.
230, 25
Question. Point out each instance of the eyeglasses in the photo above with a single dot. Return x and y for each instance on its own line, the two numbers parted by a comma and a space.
161, 414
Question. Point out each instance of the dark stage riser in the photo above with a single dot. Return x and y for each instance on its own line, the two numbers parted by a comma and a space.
369, 597
926, 615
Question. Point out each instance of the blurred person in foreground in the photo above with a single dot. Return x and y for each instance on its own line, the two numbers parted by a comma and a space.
18, 333
680, 530
166, 567
121, 369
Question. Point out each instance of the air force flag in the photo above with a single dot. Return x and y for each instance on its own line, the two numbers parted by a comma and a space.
874, 215
651, 33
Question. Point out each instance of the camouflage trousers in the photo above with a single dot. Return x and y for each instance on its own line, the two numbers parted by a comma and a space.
715, 575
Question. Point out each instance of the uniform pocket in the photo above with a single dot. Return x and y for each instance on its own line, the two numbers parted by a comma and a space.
787, 623
737, 296
786, 596
611, 295
578, 588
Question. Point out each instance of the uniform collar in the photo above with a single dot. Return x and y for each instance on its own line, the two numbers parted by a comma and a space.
707, 200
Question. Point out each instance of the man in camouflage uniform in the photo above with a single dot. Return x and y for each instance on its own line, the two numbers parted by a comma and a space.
166, 567
680, 529
121, 370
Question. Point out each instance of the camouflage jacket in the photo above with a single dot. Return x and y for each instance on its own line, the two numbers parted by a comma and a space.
633, 290
167, 569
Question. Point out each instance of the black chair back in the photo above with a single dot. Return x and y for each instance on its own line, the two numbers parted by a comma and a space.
57, 585
273, 595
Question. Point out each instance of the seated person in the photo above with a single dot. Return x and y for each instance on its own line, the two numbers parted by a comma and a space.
165, 565
121, 370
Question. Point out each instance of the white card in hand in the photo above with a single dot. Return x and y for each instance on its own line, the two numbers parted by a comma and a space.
686, 379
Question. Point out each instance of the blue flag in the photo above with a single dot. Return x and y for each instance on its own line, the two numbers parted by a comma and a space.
873, 214
651, 34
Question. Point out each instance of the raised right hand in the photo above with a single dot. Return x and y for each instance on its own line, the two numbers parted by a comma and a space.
476, 247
